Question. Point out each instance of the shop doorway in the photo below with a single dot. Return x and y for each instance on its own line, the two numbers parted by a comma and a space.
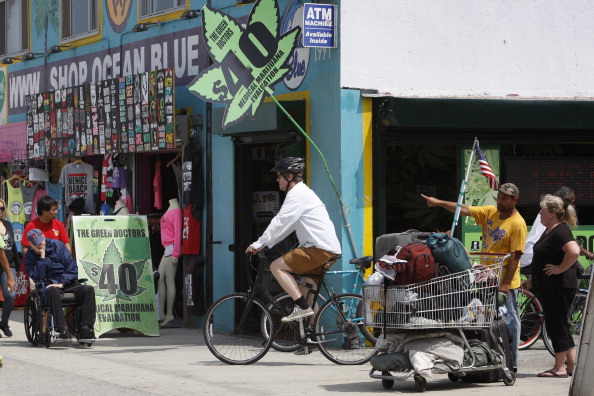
258, 198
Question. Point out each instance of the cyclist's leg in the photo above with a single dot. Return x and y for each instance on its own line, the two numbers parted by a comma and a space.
282, 273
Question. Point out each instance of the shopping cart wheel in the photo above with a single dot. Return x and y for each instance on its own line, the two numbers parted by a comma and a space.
453, 377
511, 380
387, 383
420, 383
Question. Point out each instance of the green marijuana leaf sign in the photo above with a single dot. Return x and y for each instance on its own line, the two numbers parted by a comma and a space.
248, 62
114, 278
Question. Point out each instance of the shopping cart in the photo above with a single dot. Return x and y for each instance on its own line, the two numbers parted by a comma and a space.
455, 302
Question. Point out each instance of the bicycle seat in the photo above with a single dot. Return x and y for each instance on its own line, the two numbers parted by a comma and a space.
362, 262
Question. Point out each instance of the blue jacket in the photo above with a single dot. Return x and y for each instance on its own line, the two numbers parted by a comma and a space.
58, 266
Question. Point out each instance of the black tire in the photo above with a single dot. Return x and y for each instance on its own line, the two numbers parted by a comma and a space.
531, 316
226, 341
368, 332
387, 384
509, 381
453, 377
48, 338
420, 383
340, 338
286, 337
32, 319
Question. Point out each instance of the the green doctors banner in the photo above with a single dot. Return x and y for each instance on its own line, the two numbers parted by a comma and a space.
114, 254
248, 61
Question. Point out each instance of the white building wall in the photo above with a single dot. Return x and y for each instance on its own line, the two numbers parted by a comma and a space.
469, 48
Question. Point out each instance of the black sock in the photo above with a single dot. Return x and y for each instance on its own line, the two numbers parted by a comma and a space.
301, 303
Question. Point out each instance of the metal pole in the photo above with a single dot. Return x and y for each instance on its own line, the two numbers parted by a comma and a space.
462, 190
342, 209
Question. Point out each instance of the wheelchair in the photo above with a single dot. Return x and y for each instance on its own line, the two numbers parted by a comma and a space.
39, 322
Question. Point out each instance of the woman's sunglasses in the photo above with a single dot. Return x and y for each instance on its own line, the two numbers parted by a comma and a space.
2, 208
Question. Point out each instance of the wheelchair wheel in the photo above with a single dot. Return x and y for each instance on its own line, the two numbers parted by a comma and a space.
48, 338
32, 319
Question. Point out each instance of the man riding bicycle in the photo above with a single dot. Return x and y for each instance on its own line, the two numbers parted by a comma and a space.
304, 213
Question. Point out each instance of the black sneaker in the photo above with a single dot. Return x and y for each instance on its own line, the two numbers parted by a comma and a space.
86, 333
6, 331
64, 336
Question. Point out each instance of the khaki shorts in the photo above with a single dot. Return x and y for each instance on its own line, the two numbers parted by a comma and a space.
309, 260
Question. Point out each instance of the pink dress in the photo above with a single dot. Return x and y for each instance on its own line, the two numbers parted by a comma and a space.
157, 186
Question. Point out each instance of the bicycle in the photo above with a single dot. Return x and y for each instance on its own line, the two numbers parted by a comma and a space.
532, 318
288, 342
233, 324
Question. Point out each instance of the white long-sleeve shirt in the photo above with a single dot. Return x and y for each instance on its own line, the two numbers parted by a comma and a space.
304, 213
533, 237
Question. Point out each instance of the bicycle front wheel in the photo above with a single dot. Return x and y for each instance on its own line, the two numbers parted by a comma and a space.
338, 328
232, 329
531, 317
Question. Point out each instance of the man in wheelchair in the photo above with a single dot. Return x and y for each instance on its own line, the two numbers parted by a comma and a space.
49, 261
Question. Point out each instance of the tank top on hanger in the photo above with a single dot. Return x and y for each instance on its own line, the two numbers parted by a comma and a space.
15, 210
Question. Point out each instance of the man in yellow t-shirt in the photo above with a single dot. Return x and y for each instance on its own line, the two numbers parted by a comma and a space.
504, 231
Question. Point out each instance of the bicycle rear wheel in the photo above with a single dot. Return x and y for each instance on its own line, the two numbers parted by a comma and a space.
531, 316
338, 326
227, 339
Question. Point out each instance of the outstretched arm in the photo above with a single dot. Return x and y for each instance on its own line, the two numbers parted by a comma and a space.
449, 205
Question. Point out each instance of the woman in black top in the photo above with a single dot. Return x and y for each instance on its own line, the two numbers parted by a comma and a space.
554, 279
12, 255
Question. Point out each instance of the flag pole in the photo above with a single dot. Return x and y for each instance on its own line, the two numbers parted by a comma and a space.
315, 146
462, 190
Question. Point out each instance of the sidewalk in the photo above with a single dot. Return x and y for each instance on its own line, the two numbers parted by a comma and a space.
178, 363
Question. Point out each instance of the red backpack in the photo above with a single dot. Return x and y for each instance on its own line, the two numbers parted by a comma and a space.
420, 264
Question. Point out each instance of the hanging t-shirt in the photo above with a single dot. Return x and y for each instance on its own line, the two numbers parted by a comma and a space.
16, 210
78, 182
192, 176
28, 195
190, 232
106, 178
157, 186
38, 195
177, 171
17, 230
119, 177
56, 191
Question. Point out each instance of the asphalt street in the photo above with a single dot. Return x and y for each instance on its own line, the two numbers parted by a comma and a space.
178, 363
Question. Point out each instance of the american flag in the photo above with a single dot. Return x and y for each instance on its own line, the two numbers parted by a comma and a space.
486, 169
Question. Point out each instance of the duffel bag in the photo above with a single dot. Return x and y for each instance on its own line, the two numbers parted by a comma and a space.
420, 265
449, 251
385, 243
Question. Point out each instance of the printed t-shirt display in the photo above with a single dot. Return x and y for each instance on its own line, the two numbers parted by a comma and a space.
16, 210
56, 191
78, 183
28, 195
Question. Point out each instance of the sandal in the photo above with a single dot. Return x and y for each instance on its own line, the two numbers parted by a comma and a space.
551, 374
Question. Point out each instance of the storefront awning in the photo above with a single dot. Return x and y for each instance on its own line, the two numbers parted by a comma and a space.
485, 113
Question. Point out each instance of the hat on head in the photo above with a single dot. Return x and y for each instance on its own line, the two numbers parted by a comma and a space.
35, 236
510, 189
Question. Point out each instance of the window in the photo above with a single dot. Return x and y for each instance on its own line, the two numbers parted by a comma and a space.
14, 20
79, 17
151, 7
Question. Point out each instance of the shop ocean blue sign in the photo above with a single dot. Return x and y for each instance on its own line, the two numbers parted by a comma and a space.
319, 25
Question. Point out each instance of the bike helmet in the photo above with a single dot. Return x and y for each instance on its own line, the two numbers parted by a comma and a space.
295, 165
